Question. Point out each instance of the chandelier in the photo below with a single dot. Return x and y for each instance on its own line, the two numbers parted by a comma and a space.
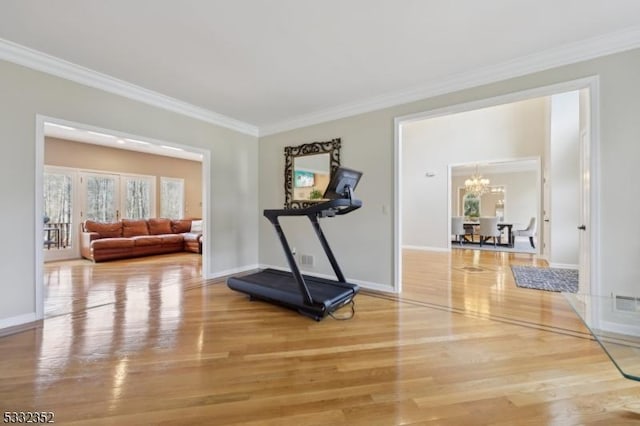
476, 184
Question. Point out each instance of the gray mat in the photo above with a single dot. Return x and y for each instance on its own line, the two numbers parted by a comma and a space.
549, 279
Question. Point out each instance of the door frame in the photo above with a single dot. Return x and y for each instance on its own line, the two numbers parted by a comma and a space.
39, 190
588, 251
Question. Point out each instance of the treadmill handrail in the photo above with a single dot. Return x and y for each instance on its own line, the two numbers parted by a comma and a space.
328, 208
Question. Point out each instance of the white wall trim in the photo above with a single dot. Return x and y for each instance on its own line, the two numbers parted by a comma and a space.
397, 198
562, 55
18, 54
17, 320
427, 248
595, 47
595, 260
39, 225
564, 266
365, 284
232, 271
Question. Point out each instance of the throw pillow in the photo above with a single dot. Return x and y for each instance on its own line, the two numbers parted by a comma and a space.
196, 226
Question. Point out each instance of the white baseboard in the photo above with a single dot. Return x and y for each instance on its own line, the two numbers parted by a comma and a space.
18, 320
365, 284
427, 248
564, 265
220, 274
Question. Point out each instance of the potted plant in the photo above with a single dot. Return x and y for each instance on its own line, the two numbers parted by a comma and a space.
315, 194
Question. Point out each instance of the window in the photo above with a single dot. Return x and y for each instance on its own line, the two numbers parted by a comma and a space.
171, 197
58, 197
101, 197
111, 197
138, 197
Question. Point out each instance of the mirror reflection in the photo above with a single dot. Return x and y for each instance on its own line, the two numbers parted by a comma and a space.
307, 171
311, 175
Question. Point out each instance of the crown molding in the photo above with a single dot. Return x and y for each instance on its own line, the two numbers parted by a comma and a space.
21, 55
562, 55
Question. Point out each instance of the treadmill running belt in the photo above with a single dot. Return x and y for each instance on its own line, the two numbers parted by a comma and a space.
280, 287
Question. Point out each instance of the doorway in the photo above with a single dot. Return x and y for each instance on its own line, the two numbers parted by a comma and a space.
114, 202
433, 179
509, 191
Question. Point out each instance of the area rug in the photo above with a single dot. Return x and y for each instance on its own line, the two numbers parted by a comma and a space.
549, 279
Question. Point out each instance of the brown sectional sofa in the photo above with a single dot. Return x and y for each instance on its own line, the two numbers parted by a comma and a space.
132, 238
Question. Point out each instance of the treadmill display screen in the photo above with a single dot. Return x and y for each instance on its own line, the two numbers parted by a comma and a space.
340, 180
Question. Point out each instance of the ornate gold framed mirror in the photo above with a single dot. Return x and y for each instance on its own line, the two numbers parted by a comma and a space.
307, 171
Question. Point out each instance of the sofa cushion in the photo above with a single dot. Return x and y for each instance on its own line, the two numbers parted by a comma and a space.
179, 226
132, 228
192, 236
146, 240
159, 226
105, 230
171, 239
112, 243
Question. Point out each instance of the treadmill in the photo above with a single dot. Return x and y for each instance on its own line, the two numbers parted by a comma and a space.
311, 296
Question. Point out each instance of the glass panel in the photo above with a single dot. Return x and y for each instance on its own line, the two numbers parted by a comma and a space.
57, 210
137, 198
101, 198
615, 323
171, 198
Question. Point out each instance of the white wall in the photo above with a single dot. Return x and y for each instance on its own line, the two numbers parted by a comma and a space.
365, 240
564, 182
515, 130
25, 93
360, 240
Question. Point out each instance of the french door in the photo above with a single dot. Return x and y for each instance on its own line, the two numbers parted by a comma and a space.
110, 197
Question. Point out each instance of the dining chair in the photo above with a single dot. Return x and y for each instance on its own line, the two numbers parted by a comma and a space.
457, 228
529, 231
489, 229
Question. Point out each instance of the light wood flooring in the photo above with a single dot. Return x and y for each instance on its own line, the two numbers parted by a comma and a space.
149, 342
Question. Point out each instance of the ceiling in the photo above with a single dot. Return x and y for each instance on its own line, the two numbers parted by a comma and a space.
110, 139
274, 64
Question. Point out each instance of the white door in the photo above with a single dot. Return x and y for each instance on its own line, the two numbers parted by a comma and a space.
546, 210
584, 229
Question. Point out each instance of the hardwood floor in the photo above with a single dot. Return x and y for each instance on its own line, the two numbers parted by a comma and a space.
148, 342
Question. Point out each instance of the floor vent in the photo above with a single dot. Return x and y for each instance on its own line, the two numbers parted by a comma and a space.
627, 303
306, 259
472, 269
